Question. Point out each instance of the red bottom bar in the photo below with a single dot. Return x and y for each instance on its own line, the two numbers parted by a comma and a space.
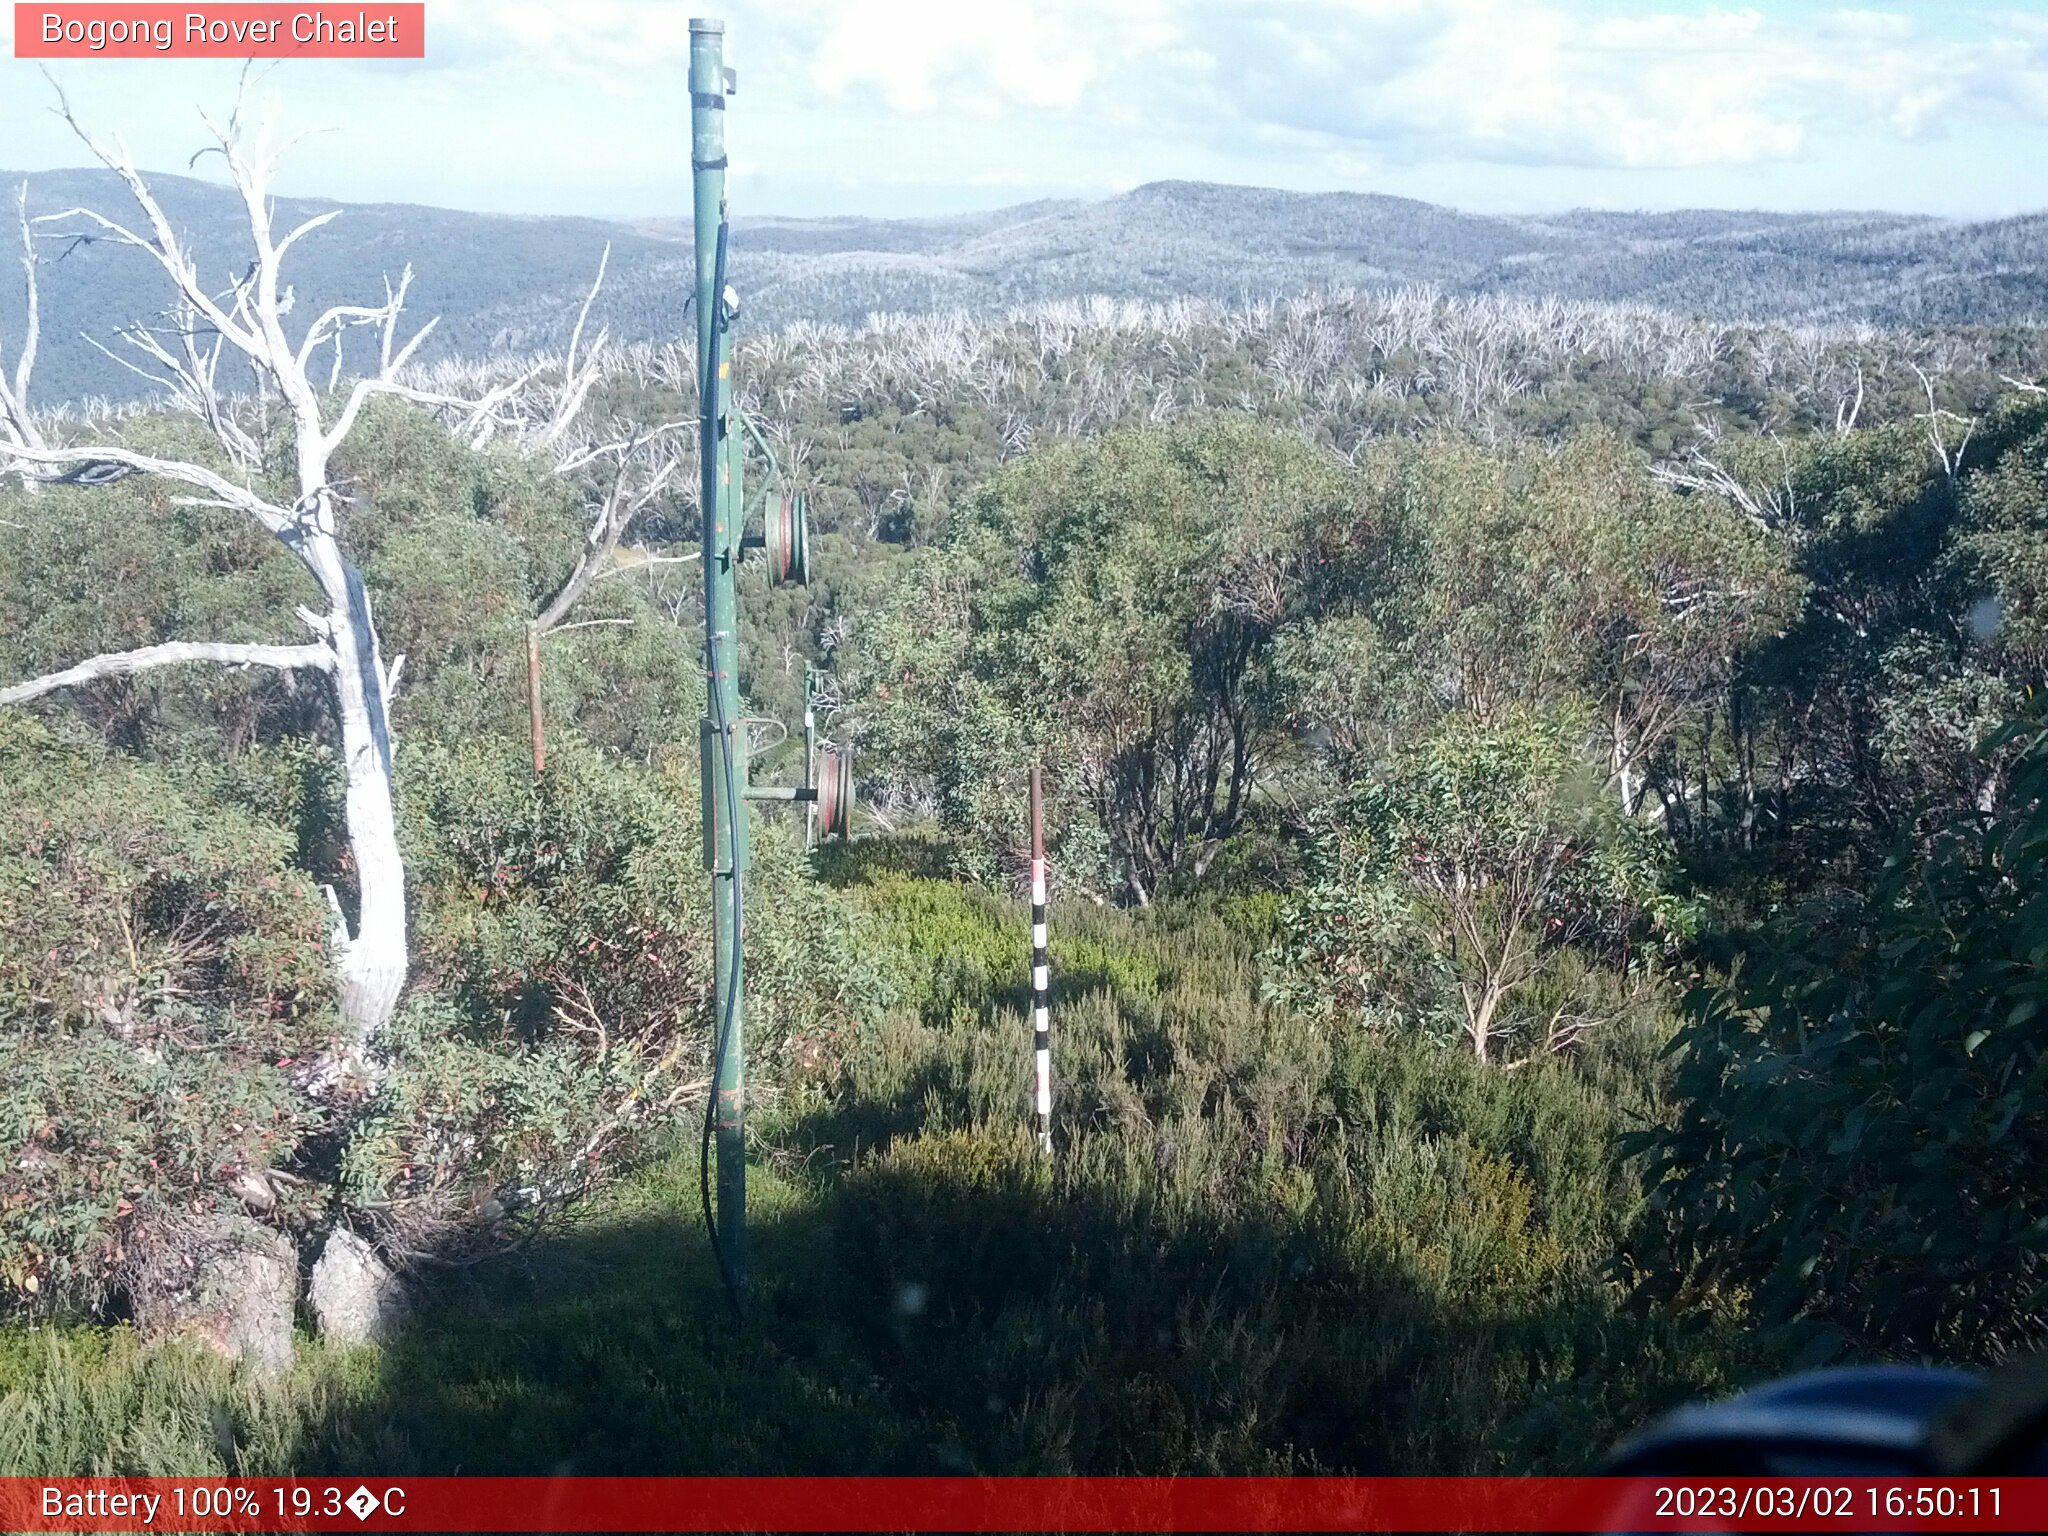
1023, 1504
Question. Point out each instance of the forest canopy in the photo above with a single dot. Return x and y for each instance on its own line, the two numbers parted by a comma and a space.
1540, 807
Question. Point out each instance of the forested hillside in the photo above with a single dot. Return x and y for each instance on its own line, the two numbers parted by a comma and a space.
1544, 806
504, 284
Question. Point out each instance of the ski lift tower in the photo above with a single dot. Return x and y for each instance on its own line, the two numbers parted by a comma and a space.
723, 746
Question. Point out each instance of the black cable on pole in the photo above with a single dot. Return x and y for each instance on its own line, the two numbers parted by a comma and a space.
707, 404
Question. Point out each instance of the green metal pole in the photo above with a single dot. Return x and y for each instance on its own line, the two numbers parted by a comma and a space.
722, 741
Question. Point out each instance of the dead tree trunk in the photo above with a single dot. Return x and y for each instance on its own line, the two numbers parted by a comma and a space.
17, 424
185, 349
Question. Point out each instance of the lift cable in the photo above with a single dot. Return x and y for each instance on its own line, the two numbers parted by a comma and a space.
709, 394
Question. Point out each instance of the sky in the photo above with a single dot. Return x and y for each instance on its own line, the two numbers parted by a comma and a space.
902, 107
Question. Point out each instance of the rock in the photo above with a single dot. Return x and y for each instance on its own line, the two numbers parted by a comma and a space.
356, 1297
255, 1191
228, 1283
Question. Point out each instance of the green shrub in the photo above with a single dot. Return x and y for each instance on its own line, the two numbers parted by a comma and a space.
162, 971
1864, 1107
1268, 1240
562, 982
1112, 606
1460, 884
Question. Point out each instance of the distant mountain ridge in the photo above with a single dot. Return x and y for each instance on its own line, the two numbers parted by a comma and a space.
513, 283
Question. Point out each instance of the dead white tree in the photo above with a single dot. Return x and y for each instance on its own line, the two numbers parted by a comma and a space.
17, 425
631, 473
246, 319
1950, 459
1847, 409
623, 467
1770, 505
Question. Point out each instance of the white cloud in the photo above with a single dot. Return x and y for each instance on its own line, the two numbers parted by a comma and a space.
988, 55
588, 38
1544, 82
1521, 82
580, 102
1532, 83
1518, 81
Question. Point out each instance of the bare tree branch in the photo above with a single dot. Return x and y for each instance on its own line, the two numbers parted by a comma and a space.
168, 385
625, 496
164, 248
624, 499
171, 654
318, 221
222, 492
16, 422
1951, 460
342, 317
576, 387
249, 318
620, 448
371, 962
640, 560
1847, 410
1769, 507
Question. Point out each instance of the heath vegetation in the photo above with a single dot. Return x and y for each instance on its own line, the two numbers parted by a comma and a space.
1546, 800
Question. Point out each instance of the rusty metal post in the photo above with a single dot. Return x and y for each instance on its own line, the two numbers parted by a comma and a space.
540, 735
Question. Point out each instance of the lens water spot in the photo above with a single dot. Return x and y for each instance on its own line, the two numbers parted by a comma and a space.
1984, 618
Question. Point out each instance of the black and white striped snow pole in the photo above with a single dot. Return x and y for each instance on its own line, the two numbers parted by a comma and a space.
1041, 1016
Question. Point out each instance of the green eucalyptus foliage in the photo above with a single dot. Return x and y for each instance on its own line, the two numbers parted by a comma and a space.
1111, 606
1170, 617
119, 567
1439, 751
1266, 1245
1449, 885
2002, 553
1915, 638
164, 985
162, 970
562, 979
1550, 576
1864, 1114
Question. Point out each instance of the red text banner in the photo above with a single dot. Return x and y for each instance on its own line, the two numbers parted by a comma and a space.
1052, 1504
236, 31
